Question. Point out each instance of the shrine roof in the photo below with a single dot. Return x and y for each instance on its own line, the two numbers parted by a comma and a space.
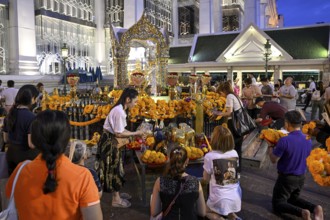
179, 55
301, 43
208, 48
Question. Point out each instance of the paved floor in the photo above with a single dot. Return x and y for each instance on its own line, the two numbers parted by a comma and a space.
257, 185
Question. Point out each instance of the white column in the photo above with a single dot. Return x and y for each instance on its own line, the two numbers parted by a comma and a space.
262, 18
175, 13
205, 16
249, 13
100, 53
22, 48
240, 82
217, 16
133, 10
277, 73
230, 73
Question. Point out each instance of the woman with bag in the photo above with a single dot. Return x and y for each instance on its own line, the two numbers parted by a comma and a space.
233, 103
318, 101
177, 195
16, 129
109, 157
50, 186
220, 170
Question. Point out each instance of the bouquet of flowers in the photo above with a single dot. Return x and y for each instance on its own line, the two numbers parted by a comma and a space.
172, 79
206, 78
193, 78
137, 78
271, 135
318, 163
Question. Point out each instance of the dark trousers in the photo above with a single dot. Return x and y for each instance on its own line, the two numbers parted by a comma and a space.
308, 100
238, 143
286, 195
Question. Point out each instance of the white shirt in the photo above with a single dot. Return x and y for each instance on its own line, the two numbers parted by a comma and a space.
9, 95
233, 102
254, 81
312, 86
116, 120
225, 196
290, 104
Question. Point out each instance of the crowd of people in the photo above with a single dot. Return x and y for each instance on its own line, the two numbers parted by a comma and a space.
57, 185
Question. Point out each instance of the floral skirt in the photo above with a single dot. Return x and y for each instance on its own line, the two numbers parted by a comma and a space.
109, 163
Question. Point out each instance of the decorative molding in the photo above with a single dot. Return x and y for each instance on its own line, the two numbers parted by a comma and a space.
249, 46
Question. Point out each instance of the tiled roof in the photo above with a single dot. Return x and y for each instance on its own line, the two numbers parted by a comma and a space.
300, 43
208, 48
303, 43
179, 55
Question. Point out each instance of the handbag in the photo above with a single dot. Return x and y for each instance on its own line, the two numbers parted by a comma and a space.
242, 122
163, 214
11, 213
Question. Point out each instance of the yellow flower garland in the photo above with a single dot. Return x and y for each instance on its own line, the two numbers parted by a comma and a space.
85, 123
307, 127
318, 163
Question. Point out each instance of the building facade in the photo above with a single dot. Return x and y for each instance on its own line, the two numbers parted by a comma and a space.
37, 37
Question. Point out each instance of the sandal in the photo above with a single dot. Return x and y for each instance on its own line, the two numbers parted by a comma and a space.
125, 196
122, 204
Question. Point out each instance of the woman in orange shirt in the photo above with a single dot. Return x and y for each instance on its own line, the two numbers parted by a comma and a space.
51, 187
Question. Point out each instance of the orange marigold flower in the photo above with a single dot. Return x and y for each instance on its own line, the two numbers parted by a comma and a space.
327, 143
326, 180
327, 169
312, 125
305, 129
318, 179
316, 167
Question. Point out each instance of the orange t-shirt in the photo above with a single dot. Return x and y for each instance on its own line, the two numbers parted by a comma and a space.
76, 188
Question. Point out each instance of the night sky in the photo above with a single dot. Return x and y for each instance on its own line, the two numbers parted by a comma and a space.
304, 12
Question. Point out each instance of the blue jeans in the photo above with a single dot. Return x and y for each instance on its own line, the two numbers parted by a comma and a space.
317, 105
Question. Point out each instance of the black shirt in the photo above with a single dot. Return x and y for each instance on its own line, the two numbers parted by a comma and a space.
19, 135
185, 205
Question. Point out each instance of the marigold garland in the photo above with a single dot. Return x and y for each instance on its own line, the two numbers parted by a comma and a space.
318, 163
85, 123
307, 127
271, 135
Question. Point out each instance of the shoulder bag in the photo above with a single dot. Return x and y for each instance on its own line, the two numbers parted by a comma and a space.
11, 213
163, 214
118, 141
242, 122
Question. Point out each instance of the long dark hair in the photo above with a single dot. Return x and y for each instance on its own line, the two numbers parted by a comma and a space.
50, 133
24, 97
127, 93
176, 167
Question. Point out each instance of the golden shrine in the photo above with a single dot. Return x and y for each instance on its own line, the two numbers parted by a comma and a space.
145, 43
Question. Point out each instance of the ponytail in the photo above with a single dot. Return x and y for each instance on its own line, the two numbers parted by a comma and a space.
12, 117
177, 165
50, 133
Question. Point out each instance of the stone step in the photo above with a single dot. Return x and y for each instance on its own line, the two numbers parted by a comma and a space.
254, 150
